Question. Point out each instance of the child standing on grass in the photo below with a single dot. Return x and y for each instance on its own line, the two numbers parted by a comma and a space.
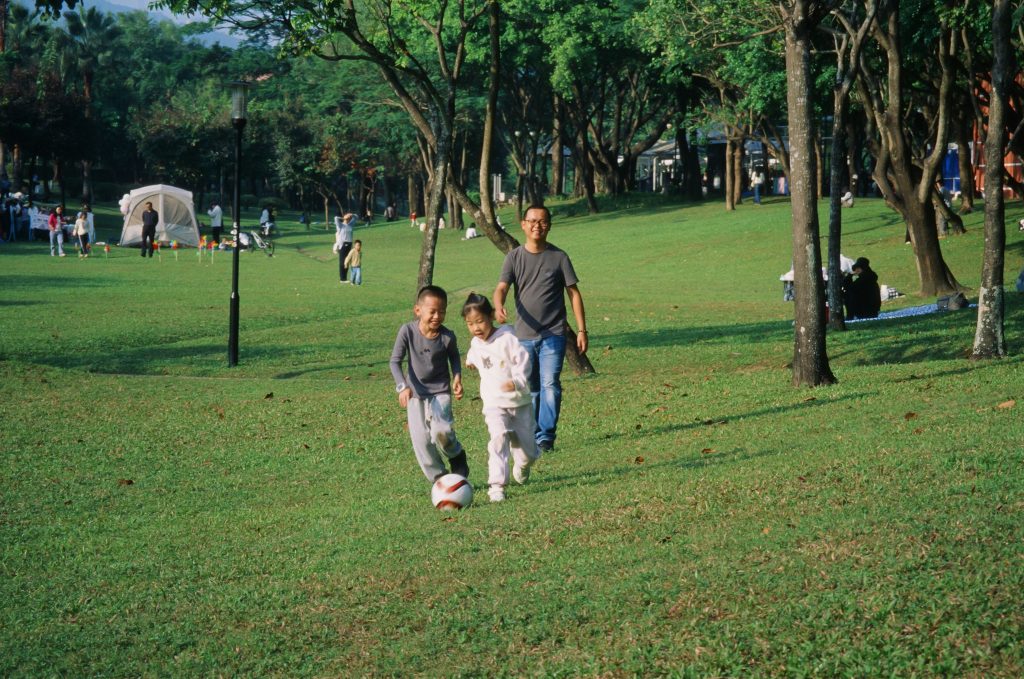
426, 389
82, 233
504, 367
354, 262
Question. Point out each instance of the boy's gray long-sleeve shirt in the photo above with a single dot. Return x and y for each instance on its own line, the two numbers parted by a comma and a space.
432, 362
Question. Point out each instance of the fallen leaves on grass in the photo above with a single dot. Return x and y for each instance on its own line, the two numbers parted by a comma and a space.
708, 451
1005, 405
910, 416
639, 459
270, 395
125, 482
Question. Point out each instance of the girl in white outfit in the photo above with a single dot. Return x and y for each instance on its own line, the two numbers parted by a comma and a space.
504, 368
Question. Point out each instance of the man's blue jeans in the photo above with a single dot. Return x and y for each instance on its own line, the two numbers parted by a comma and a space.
546, 357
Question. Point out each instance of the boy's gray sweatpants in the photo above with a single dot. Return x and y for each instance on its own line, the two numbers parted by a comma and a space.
431, 428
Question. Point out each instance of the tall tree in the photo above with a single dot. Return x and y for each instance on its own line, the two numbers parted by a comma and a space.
90, 46
800, 19
419, 48
989, 340
909, 120
849, 43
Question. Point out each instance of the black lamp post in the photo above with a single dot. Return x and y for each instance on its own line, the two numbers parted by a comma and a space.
239, 90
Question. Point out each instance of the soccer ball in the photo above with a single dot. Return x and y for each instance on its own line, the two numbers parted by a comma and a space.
451, 491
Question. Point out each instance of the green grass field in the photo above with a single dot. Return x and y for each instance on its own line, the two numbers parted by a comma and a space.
164, 515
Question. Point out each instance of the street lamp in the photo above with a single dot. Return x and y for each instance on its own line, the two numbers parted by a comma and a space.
239, 90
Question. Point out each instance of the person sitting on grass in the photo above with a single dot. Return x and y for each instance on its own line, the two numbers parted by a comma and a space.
861, 294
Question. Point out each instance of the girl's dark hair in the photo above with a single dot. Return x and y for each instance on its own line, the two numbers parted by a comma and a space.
477, 303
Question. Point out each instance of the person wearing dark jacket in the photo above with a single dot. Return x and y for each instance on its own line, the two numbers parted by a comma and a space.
150, 218
861, 293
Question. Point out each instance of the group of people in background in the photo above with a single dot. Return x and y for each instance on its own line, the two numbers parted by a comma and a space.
19, 216
60, 227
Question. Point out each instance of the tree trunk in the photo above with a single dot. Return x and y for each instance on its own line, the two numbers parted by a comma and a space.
905, 180
944, 212
501, 238
810, 360
586, 171
87, 182
836, 316
687, 167
487, 208
730, 176
435, 200
966, 166
16, 168
989, 340
819, 164
4, 5
557, 161
737, 171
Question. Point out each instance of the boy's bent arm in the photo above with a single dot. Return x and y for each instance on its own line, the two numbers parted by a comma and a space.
576, 299
397, 356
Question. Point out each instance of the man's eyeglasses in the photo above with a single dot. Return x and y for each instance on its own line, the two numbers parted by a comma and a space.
537, 222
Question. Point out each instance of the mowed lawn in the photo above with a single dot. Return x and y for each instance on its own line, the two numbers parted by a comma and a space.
164, 515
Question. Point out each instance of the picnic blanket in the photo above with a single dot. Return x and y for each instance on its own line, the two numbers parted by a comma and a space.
922, 310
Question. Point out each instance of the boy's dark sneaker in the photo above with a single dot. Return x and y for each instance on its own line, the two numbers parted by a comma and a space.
460, 465
546, 446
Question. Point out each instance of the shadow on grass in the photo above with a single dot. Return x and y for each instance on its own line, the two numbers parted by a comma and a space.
49, 283
152, 360
755, 333
26, 302
722, 420
697, 461
558, 482
917, 339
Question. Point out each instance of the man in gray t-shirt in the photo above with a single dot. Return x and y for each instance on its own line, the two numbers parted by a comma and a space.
541, 275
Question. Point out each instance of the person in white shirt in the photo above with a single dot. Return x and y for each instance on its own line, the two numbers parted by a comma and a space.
216, 220
343, 226
504, 367
90, 220
82, 233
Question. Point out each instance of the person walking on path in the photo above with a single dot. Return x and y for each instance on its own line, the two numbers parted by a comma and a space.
756, 182
150, 218
542, 275
55, 223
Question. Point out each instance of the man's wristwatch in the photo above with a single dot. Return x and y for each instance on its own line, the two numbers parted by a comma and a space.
400, 388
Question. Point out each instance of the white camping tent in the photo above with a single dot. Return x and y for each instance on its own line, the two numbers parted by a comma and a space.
177, 216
